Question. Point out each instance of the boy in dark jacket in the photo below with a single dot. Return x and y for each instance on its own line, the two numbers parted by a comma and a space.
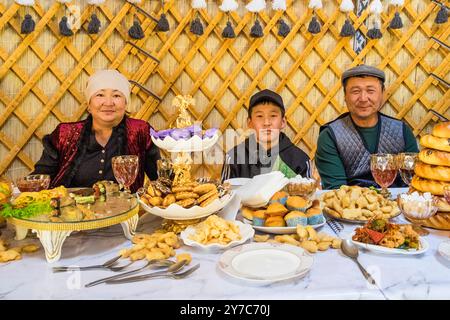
268, 149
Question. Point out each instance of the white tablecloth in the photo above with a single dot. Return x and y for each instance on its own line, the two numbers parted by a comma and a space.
333, 276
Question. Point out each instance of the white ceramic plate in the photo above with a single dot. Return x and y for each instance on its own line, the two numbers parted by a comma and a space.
191, 145
176, 212
246, 233
444, 249
383, 250
265, 263
279, 230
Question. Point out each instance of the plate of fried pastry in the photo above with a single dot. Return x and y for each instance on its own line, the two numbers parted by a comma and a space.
354, 204
183, 202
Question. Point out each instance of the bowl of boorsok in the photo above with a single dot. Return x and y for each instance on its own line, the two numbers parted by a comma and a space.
417, 206
303, 187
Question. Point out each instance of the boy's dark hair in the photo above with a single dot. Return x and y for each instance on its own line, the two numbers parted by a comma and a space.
264, 97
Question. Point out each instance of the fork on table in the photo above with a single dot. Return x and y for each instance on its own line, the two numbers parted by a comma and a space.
109, 265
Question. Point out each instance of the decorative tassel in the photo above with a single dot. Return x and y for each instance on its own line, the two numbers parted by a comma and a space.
283, 28
94, 24
375, 32
279, 5
256, 5
27, 25
136, 31
228, 31
442, 16
347, 29
163, 24
375, 8
314, 26
64, 29
256, 31
196, 27
229, 5
396, 22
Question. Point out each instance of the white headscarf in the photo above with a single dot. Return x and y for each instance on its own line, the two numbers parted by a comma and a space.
107, 79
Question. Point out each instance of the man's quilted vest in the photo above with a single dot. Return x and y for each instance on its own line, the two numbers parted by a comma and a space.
354, 153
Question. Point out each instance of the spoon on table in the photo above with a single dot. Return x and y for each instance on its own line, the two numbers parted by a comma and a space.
351, 251
171, 270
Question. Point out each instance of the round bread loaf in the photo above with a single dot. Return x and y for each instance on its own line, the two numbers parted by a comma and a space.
442, 130
432, 142
435, 157
428, 171
432, 186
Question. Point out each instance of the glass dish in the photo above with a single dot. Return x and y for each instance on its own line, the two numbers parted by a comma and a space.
417, 209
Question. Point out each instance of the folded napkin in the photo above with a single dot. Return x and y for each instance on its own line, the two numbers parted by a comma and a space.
258, 191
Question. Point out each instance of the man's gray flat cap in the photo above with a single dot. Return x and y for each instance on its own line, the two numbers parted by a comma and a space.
363, 70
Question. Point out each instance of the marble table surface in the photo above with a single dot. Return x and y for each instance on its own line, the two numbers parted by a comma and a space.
332, 276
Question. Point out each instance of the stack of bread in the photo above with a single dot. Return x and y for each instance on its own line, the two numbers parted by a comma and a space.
432, 171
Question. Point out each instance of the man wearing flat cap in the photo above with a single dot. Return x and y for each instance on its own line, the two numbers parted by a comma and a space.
346, 143
268, 149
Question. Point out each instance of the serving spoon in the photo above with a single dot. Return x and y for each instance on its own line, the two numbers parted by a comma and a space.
351, 251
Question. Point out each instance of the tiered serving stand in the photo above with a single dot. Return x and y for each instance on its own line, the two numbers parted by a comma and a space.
176, 217
119, 207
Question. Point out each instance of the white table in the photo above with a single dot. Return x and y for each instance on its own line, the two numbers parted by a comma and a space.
333, 276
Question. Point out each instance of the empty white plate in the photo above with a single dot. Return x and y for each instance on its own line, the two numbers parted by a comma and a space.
265, 263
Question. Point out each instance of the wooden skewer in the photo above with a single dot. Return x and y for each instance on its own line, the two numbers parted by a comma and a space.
145, 89
144, 51
440, 116
441, 43
145, 13
440, 79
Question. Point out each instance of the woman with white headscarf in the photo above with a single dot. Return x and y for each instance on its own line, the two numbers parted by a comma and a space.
78, 154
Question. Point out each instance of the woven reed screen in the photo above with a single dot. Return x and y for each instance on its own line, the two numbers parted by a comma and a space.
42, 74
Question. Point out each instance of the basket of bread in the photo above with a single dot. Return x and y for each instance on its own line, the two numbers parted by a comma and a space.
432, 174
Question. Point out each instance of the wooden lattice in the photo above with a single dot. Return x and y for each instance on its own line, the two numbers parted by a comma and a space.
42, 74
